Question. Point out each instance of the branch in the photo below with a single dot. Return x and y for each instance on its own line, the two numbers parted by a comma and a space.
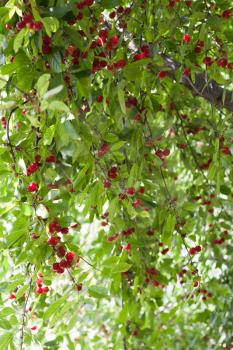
9, 140
24, 314
210, 90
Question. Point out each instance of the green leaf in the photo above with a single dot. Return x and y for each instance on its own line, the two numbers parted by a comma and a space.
168, 229
121, 98
58, 106
19, 38
51, 24
48, 135
54, 307
53, 92
21, 292
43, 84
98, 292
5, 340
117, 145
84, 87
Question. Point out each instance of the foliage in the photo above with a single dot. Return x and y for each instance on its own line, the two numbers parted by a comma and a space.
116, 174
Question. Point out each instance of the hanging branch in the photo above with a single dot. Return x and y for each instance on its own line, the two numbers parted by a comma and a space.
9, 140
23, 322
210, 90
169, 197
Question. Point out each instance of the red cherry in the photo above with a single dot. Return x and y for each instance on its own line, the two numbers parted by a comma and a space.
64, 230
207, 61
79, 287
27, 19
119, 64
46, 40
113, 238
79, 16
37, 158
103, 150
186, 38
226, 150
127, 247
162, 74
200, 43
70, 257
51, 159
107, 183
61, 251
45, 290
33, 328
130, 191
137, 203
53, 241
112, 14
39, 282
227, 14
181, 146
114, 40
189, 3
12, 296
222, 62
4, 122
141, 190
20, 25
187, 72
32, 187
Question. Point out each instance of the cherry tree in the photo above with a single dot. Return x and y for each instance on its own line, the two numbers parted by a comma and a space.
116, 174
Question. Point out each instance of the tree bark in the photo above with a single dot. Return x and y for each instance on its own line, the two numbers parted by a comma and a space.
210, 90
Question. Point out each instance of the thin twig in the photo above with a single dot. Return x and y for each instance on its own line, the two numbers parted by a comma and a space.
88, 263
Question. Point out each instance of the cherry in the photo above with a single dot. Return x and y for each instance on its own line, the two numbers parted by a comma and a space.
32, 187
113, 238
112, 14
103, 150
194, 250
53, 241
187, 72
99, 98
141, 190
227, 14
33, 328
165, 251
107, 183
61, 251
186, 38
137, 203
112, 173
114, 40
4, 122
189, 3
70, 257
162, 74
127, 247
222, 62
130, 191
20, 25
208, 61
51, 159
12, 297
64, 230
79, 287
119, 64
